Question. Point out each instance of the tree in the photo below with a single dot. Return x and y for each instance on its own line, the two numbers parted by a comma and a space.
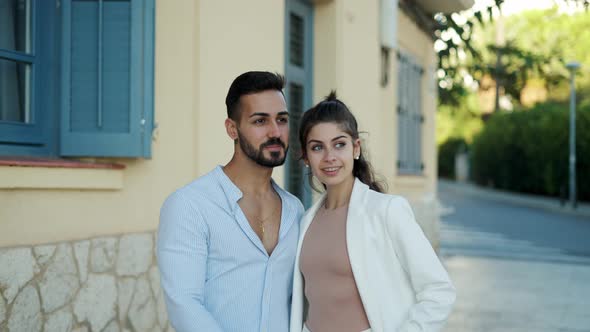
510, 63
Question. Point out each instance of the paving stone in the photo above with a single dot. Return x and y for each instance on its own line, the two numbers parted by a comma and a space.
517, 295
81, 251
96, 301
18, 267
59, 321
26, 312
135, 254
103, 254
60, 281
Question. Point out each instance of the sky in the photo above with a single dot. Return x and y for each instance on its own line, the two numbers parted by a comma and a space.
510, 7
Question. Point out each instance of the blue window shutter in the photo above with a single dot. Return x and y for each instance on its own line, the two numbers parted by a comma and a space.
107, 81
410, 117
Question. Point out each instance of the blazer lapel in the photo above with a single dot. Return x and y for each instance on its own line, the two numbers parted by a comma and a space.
355, 234
355, 243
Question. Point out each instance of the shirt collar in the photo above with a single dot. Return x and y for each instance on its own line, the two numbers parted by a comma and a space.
234, 194
231, 191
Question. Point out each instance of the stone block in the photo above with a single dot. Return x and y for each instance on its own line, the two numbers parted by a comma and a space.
161, 306
135, 254
81, 251
142, 311
26, 312
43, 253
81, 329
103, 254
18, 267
155, 279
60, 281
112, 327
2, 310
59, 321
126, 287
96, 301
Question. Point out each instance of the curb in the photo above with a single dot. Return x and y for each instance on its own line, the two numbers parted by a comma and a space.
533, 201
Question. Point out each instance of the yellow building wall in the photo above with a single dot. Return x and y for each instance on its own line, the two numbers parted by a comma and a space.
200, 47
419, 45
347, 53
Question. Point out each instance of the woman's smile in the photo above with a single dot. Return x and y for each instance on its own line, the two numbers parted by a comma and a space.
331, 171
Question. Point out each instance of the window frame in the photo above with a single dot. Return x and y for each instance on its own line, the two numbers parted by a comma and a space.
32, 133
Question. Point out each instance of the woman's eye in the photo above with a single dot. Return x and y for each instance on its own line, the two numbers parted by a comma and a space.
316, 148
340, 145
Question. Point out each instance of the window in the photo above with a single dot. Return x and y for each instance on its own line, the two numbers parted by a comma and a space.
410, 118
21, 71
80, 77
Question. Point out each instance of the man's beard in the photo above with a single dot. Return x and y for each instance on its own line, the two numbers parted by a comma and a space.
258, 155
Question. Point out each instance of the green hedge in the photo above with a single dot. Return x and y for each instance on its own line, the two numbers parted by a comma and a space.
528, 151
446, 156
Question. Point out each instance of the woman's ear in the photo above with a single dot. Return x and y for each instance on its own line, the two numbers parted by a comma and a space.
231, 127
305, 160
357, 148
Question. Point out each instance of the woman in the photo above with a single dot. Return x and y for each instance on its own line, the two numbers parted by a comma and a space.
363, 263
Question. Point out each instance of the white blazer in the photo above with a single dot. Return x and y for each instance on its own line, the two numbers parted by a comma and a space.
401, 282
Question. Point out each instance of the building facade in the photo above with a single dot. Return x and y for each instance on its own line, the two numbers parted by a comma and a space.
106, 107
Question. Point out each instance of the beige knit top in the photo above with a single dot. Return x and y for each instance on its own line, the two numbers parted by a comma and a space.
330, 289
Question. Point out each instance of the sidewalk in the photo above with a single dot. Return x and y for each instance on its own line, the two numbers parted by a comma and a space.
533, 201
496, 295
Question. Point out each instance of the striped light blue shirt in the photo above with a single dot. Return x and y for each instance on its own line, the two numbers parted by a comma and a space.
215, 273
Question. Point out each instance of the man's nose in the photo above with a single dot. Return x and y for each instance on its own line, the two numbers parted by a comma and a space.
274, 130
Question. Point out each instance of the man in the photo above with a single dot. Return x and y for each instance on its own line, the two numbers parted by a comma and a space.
227, 241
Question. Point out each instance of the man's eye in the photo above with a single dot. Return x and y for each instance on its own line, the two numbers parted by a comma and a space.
283, 120
259, 121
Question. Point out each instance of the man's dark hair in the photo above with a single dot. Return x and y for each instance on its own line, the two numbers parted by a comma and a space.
248, 83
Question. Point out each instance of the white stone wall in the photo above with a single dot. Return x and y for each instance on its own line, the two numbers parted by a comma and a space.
109, 284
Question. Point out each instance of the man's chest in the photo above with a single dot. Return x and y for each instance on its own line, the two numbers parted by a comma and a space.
233, 243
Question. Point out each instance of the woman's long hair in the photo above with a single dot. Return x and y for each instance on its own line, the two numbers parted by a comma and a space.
332, 110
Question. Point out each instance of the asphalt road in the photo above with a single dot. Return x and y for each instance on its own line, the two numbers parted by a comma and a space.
515, 268
476, 226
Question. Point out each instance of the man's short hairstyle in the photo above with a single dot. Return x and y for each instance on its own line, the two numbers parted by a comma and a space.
248, 83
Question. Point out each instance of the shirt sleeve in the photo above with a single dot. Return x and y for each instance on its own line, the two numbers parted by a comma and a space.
435, 294
182, 252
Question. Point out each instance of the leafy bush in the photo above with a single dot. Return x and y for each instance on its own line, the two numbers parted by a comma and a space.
446, 156
528, 151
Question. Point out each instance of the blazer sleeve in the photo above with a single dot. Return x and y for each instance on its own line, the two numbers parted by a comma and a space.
434, 292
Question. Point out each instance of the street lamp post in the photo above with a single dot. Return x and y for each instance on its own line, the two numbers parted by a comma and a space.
572, 66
